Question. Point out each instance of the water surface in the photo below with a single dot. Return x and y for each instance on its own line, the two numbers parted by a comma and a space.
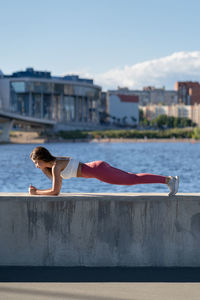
17, 170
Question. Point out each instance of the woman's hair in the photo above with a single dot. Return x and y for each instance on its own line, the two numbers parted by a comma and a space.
41, 153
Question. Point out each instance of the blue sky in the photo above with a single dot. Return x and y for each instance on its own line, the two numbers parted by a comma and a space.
108, 40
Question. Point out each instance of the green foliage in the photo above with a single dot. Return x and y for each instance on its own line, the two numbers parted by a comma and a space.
196, 133
124, 120
131, 133
74, 134
141, 115
142, 120
163, 121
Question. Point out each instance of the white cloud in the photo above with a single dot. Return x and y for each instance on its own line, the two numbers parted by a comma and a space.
160, 72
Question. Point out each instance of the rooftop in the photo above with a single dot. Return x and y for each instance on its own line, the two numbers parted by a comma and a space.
31, 73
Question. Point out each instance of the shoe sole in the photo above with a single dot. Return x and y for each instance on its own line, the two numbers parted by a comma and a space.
176, 186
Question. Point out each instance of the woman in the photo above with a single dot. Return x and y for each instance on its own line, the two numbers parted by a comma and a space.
58, 168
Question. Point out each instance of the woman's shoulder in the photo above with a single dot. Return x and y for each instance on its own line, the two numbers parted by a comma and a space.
61, 158
60, 163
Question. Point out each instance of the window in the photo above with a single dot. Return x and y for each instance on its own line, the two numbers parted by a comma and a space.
68, 108
36, 105
18, 86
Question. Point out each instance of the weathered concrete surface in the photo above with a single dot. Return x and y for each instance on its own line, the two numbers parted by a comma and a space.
100, 230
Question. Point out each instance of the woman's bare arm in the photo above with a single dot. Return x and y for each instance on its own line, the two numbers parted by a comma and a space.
56, 184
47, 173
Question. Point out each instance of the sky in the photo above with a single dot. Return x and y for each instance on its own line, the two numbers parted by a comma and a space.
124, 43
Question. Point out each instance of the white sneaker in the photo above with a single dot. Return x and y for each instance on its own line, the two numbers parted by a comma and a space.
173, 185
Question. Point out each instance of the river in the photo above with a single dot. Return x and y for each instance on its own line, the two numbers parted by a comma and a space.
18, 171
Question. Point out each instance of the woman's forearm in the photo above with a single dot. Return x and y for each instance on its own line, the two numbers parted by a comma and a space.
46, 192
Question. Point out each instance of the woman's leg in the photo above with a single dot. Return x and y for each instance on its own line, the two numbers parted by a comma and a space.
106, 173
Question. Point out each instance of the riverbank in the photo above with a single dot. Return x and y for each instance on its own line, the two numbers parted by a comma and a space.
26, 137
23, 137
145, 140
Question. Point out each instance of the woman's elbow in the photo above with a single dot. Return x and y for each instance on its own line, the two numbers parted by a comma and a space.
55, 192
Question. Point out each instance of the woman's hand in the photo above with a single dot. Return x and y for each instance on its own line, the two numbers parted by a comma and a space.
32, 190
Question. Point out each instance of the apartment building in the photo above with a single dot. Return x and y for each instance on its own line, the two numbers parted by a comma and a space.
188, 92
152, 95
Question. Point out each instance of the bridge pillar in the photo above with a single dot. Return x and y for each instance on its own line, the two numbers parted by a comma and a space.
6, 128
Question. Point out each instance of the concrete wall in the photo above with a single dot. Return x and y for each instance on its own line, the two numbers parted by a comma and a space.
100, 230
5, 94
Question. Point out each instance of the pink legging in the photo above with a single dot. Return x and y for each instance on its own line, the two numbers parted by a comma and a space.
104, 172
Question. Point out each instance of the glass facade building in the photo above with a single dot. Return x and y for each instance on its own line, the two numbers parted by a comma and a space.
67, 99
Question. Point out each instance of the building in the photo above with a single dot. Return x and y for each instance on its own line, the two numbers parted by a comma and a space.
152, 95
195, 113
69, 100
160, 95
123, 108
103, 109
153, 111
188, 92
179, 111
191, 112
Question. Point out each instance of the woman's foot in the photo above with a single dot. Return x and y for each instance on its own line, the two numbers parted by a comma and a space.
173, 185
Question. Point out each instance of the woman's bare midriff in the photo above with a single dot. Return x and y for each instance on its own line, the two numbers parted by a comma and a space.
79, 170
66, 161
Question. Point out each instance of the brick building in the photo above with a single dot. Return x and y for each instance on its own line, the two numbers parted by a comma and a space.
188, 92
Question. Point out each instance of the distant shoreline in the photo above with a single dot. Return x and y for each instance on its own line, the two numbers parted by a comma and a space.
122, 140
103, 140
48, 141
22, 137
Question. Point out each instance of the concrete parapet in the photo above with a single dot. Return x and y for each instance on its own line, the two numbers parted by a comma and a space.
6, 128
100, 230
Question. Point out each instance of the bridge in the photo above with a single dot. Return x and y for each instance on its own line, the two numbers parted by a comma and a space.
8, 119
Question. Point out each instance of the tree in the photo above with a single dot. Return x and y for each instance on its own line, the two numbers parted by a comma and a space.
124, 120
170, 122
133, 119
161, 121
141, 115
196, 133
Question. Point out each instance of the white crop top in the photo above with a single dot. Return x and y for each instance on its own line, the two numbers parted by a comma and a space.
71, 169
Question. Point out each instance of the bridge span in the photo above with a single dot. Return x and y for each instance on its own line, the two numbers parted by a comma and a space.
8, 119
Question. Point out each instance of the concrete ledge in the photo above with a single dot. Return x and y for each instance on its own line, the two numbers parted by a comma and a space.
131, 230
